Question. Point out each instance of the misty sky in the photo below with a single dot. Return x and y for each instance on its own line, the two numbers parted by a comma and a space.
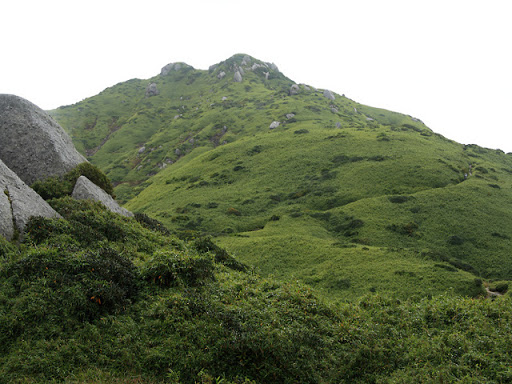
445, 62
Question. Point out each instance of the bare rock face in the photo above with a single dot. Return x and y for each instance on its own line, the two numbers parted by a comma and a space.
294, 90
173, 67
237, 77
19, 202
32, 144
87, 190
152, 90
328, 94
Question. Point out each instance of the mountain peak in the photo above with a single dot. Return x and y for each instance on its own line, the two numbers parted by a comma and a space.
174, 67
241, 63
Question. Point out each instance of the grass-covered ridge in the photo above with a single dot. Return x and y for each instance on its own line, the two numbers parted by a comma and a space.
348, 198
97, 297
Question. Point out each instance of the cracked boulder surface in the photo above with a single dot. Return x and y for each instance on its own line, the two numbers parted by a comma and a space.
33, 145
19, 202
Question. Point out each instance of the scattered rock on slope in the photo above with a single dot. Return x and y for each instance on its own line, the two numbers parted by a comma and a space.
19, 202
329, 95
152, 90
238, 77
274, 124
33, 145
87, 190
294, 90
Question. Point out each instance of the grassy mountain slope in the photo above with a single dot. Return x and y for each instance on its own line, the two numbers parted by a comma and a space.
95, 297
348, 198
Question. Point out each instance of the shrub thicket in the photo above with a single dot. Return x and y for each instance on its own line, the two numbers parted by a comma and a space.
60, 186
120, 310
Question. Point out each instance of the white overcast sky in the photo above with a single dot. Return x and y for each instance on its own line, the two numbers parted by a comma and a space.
447, 62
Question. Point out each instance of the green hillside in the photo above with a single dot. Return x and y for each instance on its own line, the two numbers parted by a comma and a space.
347, 198
96, 297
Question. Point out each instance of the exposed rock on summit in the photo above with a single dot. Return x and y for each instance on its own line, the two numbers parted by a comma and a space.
19, 202
87, 190
33, 145
173, 67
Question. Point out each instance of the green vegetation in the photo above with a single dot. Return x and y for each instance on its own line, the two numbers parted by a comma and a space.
98, 297
347, 198
56, 187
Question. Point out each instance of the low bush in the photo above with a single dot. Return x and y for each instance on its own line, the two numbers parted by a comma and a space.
151, 223
168, 269
86, 285
399, 199
56, 187
206, 245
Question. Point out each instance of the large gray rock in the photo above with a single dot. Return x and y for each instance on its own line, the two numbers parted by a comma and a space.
152, 90
328, 94
19, 202
294, 90
32, 144
87, 190
237, 77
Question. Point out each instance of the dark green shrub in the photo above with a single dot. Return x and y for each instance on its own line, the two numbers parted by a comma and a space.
501, 287
233, 211
446, 267
455, 240
301, 131
53, 188
462, 265
255, 150
56, 187
408, 229
400, 199
86, 285
169, 269
343, 159
206, 245
151, 224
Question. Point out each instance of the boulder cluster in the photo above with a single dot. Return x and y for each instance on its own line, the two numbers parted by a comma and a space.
238, 65
33, 148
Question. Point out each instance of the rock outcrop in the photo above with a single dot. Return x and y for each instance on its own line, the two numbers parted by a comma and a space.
328, 94
152, 90
274, 124
237, 77
173, 67
87, 190
32, 144
19, 202
294, 90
